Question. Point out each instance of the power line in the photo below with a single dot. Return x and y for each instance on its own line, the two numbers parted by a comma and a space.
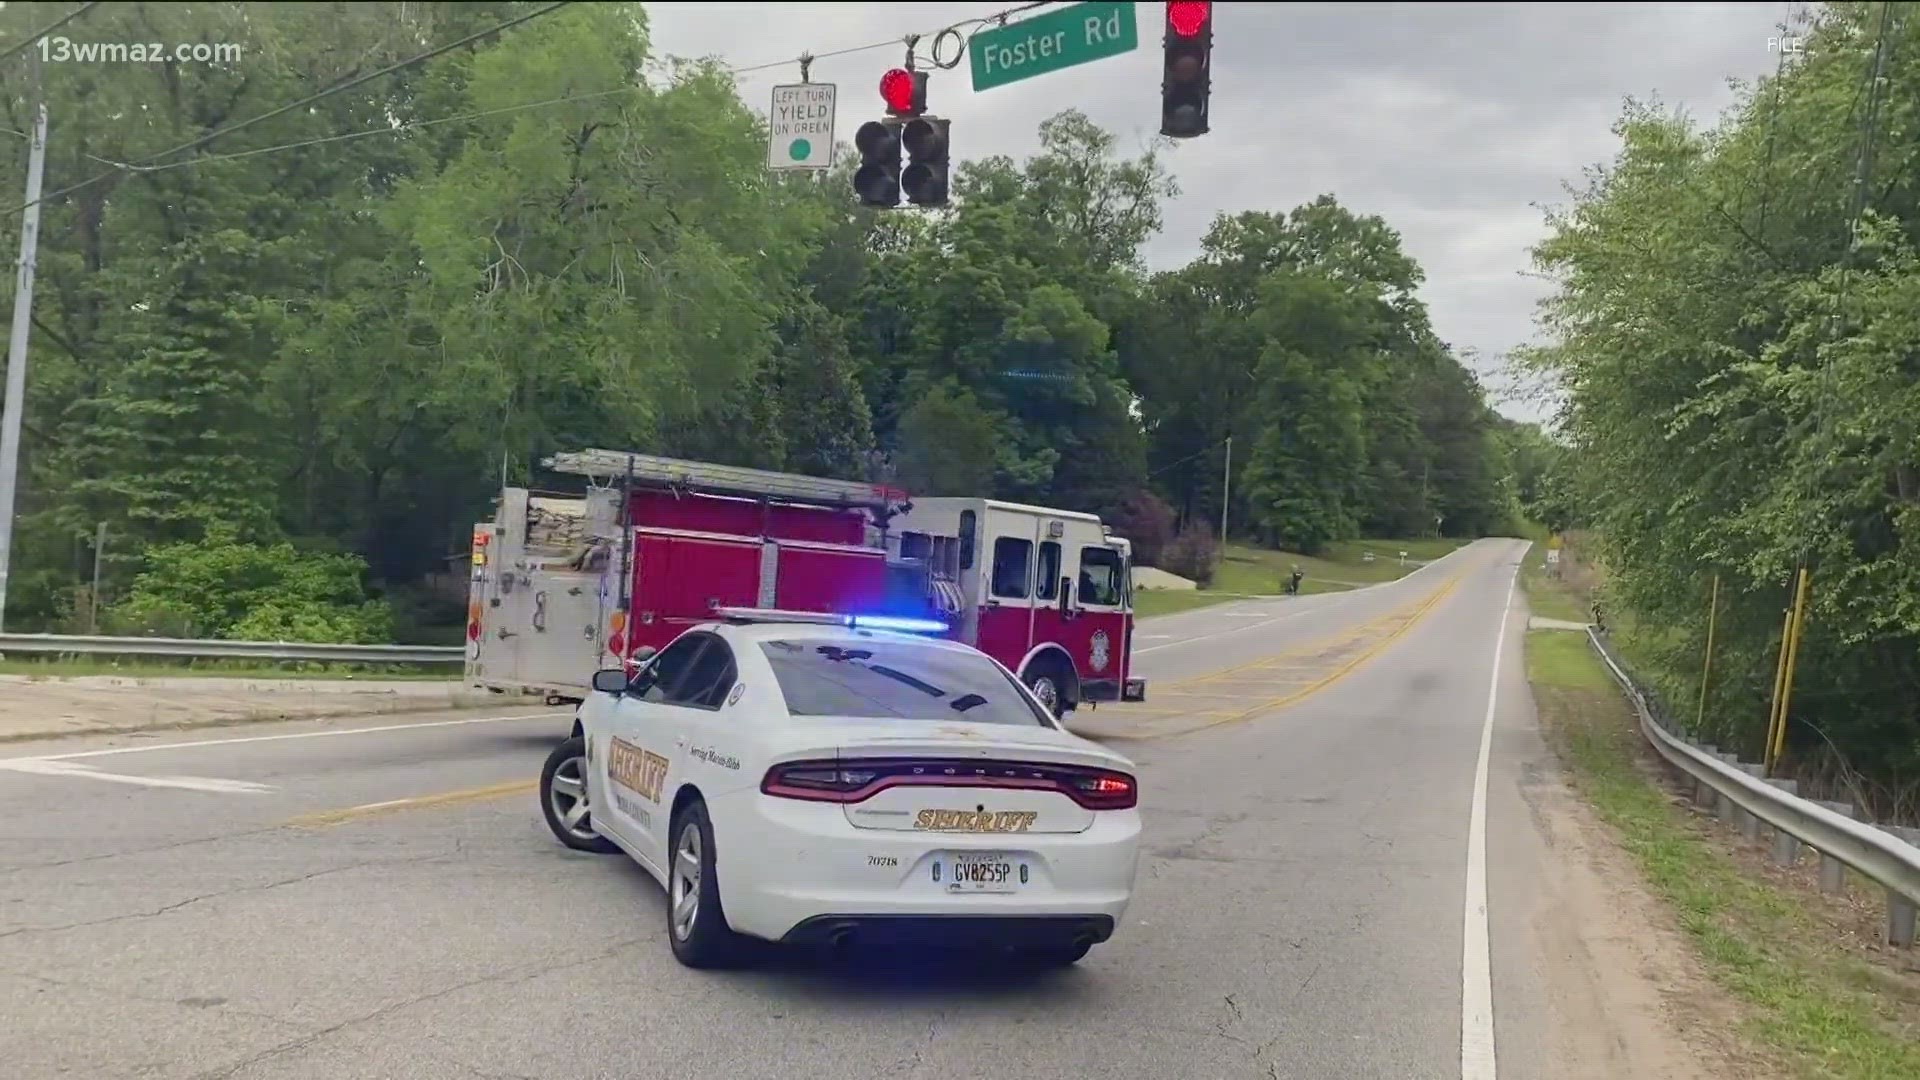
910, 41
804, 59
14, 50
308, 100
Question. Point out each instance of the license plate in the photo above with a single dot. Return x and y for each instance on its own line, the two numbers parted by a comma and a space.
975, 872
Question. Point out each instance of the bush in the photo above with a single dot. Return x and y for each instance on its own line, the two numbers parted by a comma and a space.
1192, 554
1145, 520
221, 588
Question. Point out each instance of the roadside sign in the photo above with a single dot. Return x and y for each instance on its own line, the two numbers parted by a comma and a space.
1553, 556
800, 126
1048, 43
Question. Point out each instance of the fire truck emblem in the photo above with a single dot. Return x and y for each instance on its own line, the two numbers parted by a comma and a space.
1100, 651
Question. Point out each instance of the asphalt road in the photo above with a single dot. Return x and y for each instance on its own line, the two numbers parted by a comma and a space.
239, 904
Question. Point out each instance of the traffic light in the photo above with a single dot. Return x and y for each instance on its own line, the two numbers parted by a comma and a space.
1187, 80
925, 177
905, 92
877, 181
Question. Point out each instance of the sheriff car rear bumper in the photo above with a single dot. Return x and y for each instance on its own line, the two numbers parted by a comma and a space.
1112, 690
975, 931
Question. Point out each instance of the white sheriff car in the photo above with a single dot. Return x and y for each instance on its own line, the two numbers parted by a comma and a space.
829, 780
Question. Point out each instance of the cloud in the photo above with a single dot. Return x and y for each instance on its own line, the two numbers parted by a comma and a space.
1451, 121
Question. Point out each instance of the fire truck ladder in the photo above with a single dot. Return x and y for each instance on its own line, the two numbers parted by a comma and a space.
734, 480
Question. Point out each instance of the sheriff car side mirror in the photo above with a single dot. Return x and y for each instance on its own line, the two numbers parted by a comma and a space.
610, 681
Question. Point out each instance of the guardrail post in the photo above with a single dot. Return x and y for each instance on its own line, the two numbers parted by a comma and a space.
1900, 910
1833, 872
1786, 846
1749, 824
1727, 807
1703, 794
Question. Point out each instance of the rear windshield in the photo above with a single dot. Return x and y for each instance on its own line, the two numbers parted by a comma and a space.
859, 677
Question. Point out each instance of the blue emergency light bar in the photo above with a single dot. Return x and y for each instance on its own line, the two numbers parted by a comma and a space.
899, 623
896, 623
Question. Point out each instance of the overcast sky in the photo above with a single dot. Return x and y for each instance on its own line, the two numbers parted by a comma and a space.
1454, 122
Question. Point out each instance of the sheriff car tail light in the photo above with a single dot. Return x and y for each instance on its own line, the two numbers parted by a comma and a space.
1107, 791
860, 779
816, 781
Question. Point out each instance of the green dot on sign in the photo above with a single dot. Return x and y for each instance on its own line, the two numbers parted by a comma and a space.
800, 150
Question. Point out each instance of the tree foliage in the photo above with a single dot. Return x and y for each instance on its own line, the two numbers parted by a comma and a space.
1740, 367
284, 348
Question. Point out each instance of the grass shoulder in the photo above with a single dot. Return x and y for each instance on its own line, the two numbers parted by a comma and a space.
1820, 1001
1245, 571
84, 667
1340, 566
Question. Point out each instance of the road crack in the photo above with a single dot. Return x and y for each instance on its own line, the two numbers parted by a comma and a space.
1234, 1016
222, 1007
191, 900
524, 973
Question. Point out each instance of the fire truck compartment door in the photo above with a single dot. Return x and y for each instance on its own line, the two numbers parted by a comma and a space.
560, 636
683, 578
830, 577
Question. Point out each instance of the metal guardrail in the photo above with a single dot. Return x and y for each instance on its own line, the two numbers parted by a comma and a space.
1743, 798
229, 650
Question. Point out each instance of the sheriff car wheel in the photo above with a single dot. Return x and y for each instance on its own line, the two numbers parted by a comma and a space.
696, 926
563, 799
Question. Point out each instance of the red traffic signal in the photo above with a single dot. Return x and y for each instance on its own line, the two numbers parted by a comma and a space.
905, 92
1188, 17
1186, 74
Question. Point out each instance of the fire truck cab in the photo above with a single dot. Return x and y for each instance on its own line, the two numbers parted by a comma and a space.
1046, 592
566, 584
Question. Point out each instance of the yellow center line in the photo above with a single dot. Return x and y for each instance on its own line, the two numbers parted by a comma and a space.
1413, 619
1408, 619
445, 798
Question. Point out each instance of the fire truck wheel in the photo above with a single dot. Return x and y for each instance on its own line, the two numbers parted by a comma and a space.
1048, 684
563, 799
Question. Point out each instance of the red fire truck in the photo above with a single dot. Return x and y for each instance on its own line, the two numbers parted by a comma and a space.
566, 584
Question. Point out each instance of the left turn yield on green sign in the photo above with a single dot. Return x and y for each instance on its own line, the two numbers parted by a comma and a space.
800, 127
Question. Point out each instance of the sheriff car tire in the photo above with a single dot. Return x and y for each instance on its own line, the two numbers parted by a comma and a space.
563, 799
697, 927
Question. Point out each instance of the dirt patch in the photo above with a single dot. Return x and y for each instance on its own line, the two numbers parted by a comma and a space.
1663, 1015
52, 708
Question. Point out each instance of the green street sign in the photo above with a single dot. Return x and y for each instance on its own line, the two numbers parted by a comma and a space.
1047, 43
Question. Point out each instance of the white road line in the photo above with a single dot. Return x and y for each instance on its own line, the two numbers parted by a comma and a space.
1294, 614
11, 762
47, 767
1476, 960
1224, 633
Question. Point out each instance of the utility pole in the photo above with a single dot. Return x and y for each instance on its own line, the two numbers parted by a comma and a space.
1226, 486
16, 396
93, 597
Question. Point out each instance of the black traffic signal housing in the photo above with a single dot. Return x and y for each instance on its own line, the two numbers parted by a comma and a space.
904, 92
1187, 76
877, 181
925, 177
